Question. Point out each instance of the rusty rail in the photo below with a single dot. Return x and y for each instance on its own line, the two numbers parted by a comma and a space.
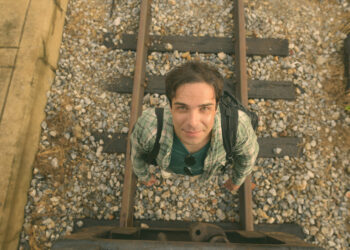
347, 64
245, 191
129, 187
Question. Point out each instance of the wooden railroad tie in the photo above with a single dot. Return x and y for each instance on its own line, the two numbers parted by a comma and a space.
116, 143
257, 88
206, 44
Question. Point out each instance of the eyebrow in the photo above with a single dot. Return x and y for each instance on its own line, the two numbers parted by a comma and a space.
201, 105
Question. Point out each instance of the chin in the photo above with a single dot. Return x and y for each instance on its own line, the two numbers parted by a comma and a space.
193, 140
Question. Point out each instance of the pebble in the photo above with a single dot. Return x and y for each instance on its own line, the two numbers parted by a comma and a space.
221, 55
273, 192
49, 223
117, 21
277, 151
220, 214
347, 195
157, 199
321, 60
80, 223
144, 225
310, 174
313, 230
159, 213
290, 199
168, 46
44, 125
53, 133
54, 163
172, 215
125, 130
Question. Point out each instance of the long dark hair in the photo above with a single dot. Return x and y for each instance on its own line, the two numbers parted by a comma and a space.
193, 72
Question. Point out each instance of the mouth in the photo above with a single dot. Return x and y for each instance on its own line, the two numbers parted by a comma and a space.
192, 133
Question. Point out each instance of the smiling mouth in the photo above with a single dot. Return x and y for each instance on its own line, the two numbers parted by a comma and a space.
192, 133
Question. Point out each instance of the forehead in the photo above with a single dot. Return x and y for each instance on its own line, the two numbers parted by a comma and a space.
199, 93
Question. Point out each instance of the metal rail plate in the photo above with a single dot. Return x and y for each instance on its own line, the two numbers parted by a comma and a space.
112, 237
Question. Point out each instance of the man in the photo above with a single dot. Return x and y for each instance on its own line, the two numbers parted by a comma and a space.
191, 141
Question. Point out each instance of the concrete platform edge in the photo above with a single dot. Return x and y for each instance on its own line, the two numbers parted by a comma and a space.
24, 111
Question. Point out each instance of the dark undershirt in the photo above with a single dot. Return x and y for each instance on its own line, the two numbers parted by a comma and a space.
178, 154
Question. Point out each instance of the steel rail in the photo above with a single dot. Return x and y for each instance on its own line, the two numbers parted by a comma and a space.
129, 187
245, 192
347, 64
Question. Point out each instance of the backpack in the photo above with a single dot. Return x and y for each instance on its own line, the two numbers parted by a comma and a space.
229, 107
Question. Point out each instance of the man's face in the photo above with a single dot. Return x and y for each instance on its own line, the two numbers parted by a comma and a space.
193, 109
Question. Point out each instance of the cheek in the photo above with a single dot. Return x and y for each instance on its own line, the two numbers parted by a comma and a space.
208, 119
178, 120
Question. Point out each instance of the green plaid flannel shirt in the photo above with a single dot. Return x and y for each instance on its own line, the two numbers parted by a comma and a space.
144, 135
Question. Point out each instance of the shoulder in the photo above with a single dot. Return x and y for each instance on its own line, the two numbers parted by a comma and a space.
144, 131
246, 141
146, 123
243, 117
244, 127
147, 117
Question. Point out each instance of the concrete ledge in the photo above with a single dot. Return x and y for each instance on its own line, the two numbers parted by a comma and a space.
5, 76
7, 57
23, 111
13, 15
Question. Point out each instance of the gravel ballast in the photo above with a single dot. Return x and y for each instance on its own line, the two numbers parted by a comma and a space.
73, 179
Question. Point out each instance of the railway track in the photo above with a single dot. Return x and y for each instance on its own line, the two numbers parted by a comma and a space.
243, 88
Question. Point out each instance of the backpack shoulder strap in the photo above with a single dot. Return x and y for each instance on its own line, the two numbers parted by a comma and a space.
229, 107
151, 156
229, 124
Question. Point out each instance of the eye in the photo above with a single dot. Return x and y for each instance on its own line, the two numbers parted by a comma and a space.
181, 108
205, 108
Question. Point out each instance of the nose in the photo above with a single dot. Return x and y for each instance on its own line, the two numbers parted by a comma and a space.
193, 118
